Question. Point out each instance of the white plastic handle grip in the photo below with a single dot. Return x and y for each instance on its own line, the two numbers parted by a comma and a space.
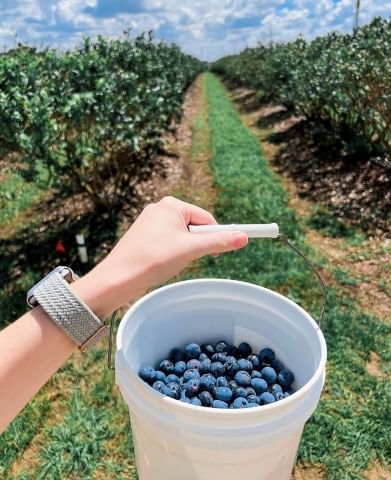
253, 230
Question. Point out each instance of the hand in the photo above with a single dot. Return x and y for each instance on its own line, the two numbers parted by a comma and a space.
155, 248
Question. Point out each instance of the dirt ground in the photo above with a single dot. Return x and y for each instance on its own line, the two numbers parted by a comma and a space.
356, 188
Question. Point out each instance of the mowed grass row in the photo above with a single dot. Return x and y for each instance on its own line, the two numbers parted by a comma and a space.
351, 426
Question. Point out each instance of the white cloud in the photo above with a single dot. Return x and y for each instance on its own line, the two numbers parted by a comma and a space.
68, 10
206, 28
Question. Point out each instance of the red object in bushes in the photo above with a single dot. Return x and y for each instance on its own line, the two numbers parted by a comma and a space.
60, 247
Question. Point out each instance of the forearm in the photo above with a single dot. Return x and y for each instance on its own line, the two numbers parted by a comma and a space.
32, 349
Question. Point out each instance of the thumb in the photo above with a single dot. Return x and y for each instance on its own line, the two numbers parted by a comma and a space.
218, 242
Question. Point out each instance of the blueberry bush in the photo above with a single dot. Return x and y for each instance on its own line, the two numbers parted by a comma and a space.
342, 80
92, 114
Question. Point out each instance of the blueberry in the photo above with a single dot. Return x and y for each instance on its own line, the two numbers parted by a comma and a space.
250, 391
269, 375
277, 365
160, 376
193, 363
221, 346
266, 398
217, 369
224, 394
240, 402
266, 355
159, 386
192, 387
147, 373
208, 383
219, 357
240, 392
196, 401
221, 382
167, 367
252, 405
254, 360
233, 351
286, 394
205, 366
180, 368
190, 374
256, 374
276, 388
185, 399
259, 385
193, 350
285, 378
208, 349
245, 365
172, 378
177, 355
278, 395
206, 399
253, 399
173, 390
231, 366
245, 350
219, 404
203, 357
232, 385
243, 379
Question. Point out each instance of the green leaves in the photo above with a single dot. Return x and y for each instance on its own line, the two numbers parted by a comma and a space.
93, 113
344, 80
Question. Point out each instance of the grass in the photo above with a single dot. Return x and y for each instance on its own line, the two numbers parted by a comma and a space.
16, 194
322, 220
77, 427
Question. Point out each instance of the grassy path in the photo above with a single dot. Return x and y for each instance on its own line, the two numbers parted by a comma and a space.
78, 426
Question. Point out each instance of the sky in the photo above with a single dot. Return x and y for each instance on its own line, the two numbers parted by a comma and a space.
208, 29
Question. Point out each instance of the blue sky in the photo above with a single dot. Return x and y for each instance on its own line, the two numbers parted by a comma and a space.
208, 29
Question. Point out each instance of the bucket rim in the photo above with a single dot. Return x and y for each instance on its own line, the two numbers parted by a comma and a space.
293, 398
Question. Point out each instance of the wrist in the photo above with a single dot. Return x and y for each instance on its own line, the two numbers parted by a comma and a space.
104, 289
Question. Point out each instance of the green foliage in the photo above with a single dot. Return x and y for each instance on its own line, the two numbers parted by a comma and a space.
16, 194
93, 113
343, 80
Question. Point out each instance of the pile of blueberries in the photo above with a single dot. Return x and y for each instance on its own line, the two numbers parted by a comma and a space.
221, 376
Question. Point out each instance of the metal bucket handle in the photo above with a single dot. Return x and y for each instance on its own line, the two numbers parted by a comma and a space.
269, 230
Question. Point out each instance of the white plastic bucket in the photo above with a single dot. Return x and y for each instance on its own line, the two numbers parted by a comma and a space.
178, 441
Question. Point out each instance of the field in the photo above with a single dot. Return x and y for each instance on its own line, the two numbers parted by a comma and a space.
219, 154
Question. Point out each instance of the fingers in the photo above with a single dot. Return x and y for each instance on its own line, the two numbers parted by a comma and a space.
215, 243
192, 214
